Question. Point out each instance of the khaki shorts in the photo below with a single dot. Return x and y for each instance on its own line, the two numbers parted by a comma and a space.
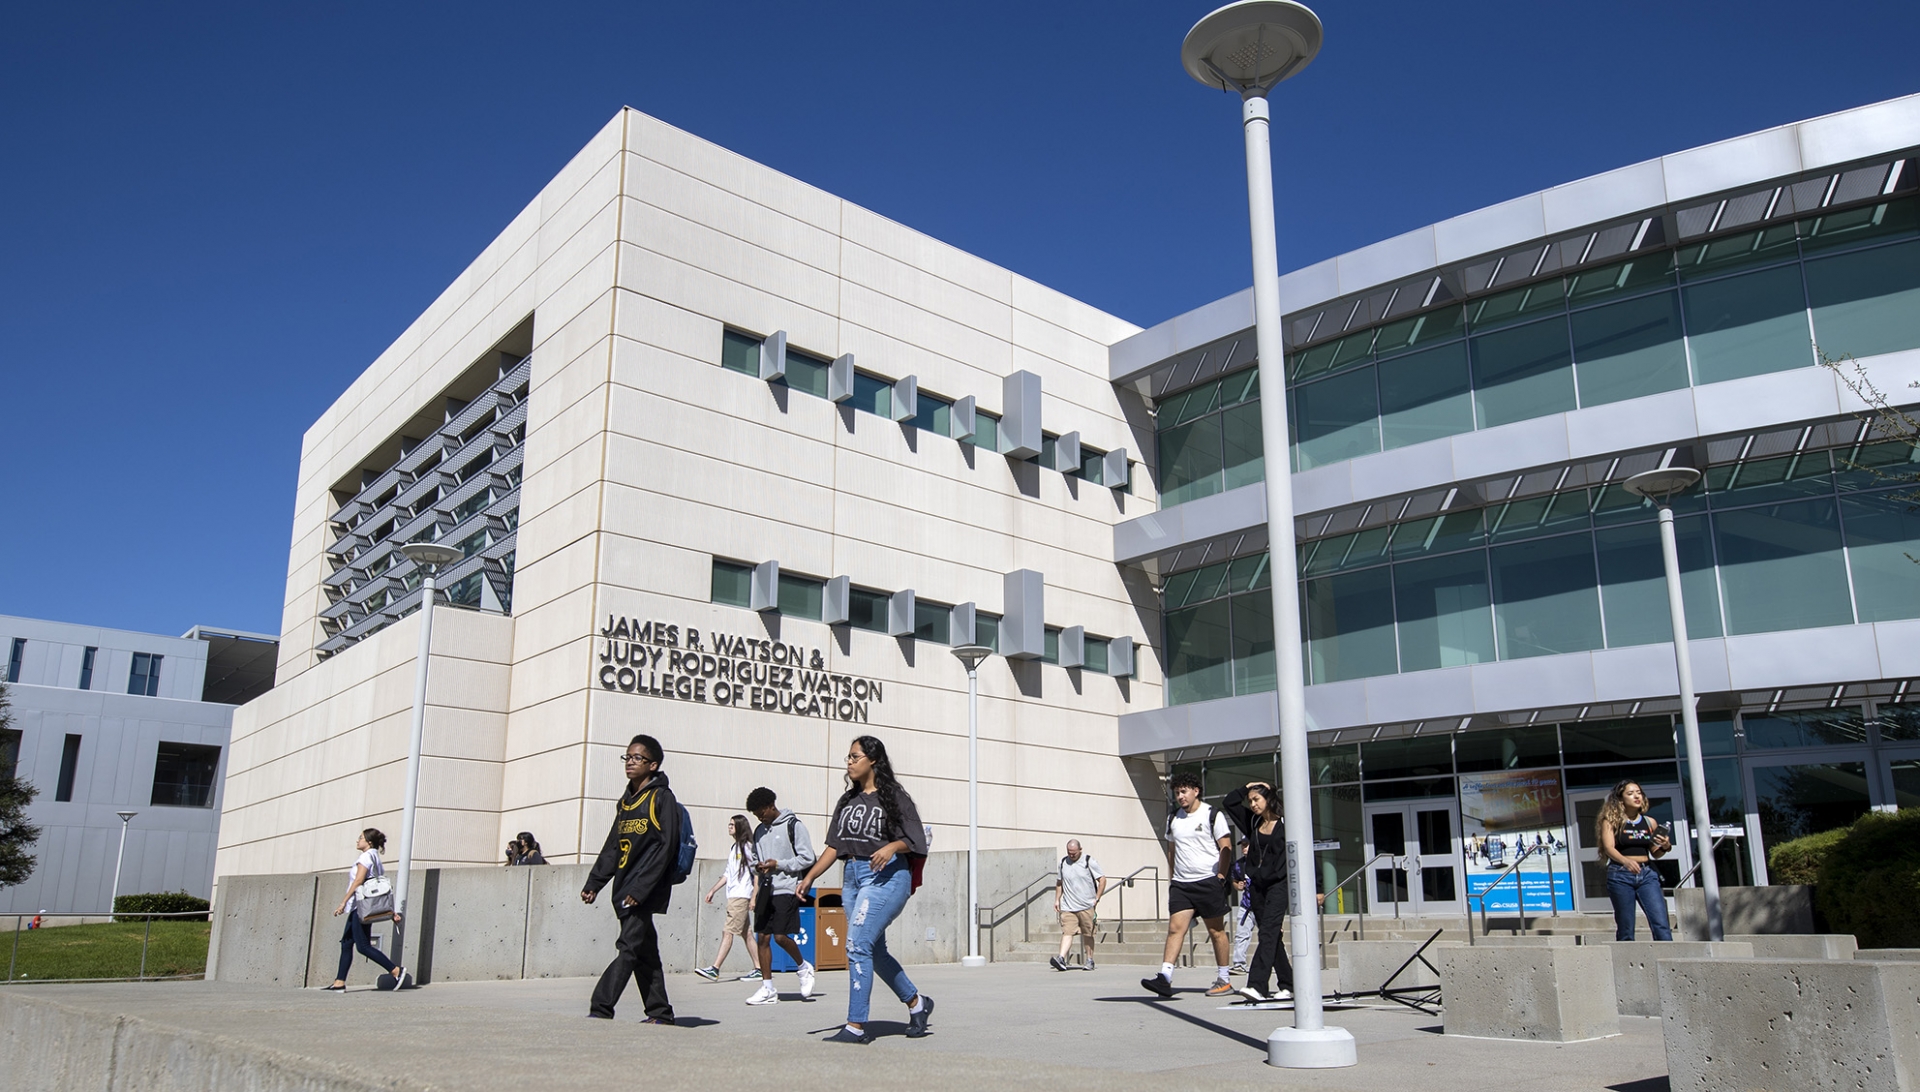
1076, 922
737, 916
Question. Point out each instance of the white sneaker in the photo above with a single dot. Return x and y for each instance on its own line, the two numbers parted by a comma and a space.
1252, 994
765, 995
806, 981
1281, 995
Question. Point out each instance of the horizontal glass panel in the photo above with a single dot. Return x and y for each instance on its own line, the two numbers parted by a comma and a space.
1199, 649
1408, 790
1781, 567
1334, 763
1335, 419
1756, 481
1538, 516
1629, 349
1425, 396
1515, 306
1544, 596
1795, 801
1507, 749
1190, 461
807, 375
1628, 278
872, 395
1178, 409
1883, 538
1253, 663
1440, 534
1421, 330
1522, 373
1345, 551
1633, 579
732, 583
740, 353
1748, 325
1617, 740
1873, 466
1805, 727
1772, 244
1242, 446
1224, 775
1855, 227
1866, 302
1412, 756
1249, 573
800, 597
1332, 355
1349, 624
1444, 610
1899, 720
1644, 773
1240, 387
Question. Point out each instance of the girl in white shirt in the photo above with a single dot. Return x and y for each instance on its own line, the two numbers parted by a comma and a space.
356, 935
741, 880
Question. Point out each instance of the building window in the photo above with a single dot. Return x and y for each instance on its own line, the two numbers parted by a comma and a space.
465, 592
183, 775
1092, 465
1096, 655
986, 630
69, 765
867, 609
86, 667
1209, 438
1050, 646
932, 622
740, 353
808, 374
473, 543
18, 654
872, 394
935, 415
986, 431
732, 583
145, 676
9, 752
802, 596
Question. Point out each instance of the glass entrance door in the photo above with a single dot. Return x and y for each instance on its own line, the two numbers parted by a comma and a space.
1590, 866
1793, 798
1422, 875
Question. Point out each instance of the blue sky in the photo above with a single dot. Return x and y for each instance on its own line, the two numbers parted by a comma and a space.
212, 217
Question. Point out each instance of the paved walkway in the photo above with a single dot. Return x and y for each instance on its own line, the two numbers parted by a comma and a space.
1003, 1023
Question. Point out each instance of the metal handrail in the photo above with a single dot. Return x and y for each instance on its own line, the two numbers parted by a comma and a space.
1682, 881
1024, 894
1360, 903
1120, 933
13, 960
1520, 891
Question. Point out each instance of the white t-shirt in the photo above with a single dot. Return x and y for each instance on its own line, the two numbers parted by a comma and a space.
369, 861
1079, 883
1196, 855
739, 878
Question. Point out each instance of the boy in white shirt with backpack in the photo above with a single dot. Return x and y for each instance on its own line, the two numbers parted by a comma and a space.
1199, 851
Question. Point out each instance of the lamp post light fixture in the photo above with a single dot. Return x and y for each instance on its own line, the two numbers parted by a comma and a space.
1247, 48
1661, 486
113, 900
970, 657
430, 557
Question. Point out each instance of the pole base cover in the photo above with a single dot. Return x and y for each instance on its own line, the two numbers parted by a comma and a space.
973, 961
1327, 1048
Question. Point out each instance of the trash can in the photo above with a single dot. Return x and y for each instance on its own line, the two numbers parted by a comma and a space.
804, 938
830, 945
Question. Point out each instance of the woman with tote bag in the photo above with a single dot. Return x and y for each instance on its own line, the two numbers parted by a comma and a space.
369, 897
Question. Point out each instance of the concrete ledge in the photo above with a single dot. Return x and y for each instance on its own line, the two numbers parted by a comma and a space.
1538, 940
1636, 978
1365, 964
1786, 908
1809, 946
1791, 1024
260, 931
1898, 955
1555, 994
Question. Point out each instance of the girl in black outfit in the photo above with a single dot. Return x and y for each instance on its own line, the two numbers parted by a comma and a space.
529, 850
1255, 809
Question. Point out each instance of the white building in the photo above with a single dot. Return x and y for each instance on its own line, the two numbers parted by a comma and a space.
107, 720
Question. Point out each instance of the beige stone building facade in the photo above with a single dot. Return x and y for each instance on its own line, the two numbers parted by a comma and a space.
673, 368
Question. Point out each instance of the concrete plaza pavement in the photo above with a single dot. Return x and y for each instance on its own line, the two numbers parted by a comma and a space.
1001, 1024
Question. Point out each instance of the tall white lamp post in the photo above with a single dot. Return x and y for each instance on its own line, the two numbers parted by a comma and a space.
429, 556
1660, 487
1247, 48
970, 656
125, 818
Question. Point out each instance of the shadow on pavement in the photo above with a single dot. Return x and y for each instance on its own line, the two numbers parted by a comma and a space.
1158, 1005
1647, 1084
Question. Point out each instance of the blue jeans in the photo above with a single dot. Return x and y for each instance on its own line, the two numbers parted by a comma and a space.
872, 902
1626, 888
357, 935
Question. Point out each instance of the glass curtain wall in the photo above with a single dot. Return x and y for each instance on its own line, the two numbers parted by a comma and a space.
1843, 284
1816, 539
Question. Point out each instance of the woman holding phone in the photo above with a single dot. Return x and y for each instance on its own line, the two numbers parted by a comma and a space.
1631, 840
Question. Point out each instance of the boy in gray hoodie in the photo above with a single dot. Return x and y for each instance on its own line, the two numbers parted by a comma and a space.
785, 852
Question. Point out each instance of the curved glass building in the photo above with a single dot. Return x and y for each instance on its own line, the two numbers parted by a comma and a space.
1485, 620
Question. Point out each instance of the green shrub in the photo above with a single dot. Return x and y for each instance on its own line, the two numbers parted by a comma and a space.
128, 907
1869, 883
1799, 861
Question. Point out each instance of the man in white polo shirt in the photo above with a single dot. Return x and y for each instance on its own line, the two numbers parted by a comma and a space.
1200, 851
1075, 894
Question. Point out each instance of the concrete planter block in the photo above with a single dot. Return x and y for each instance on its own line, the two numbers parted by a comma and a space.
566, 938
1544, 993
480, 924
261, 930
1807, 946
1787, 908
1636, 978
1899, 955
1561, 940
1365, 964
1791, 1024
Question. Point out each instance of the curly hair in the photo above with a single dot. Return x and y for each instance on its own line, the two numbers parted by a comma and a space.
1614, 811
885, 784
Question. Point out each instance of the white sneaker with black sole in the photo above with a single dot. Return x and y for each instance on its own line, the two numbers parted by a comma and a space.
765, 995
806, 981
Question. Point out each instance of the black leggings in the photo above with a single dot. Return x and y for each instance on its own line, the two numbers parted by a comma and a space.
358, 936
1269, 955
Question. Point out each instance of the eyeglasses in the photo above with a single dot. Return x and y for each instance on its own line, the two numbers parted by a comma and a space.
635, 758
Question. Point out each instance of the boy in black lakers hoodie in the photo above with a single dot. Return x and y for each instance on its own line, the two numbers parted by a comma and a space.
638, 858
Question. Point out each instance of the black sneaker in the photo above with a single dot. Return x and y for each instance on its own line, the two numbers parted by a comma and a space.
848, 1035
1057, 963
1158, 984
667, 1020
917, 1021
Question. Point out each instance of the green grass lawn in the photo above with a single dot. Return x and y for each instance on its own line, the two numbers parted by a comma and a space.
107, 950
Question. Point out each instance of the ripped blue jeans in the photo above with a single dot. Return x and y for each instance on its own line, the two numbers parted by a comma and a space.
872, 901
